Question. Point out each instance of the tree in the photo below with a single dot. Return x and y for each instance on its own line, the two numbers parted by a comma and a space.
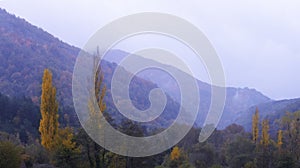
49, 111
265, 133
285, 161
290, 124
94, 116
255, 129
177, 158
279, 139
175, 154
264, 153
239, 152
100, 91
58, 142
87, 144
66, 152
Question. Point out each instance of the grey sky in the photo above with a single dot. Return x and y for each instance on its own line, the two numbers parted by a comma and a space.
257, 41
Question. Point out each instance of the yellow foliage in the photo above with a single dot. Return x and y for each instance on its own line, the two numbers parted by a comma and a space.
279, 139
265, 133
100, 90
65, 139
49, 111
175, 154
255, 129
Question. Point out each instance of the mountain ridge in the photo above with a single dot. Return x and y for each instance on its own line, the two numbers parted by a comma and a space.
237, 99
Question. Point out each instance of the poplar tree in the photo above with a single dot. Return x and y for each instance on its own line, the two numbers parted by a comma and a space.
265, 133
255, 129
94, 115
279, 139
49, 111
100, 90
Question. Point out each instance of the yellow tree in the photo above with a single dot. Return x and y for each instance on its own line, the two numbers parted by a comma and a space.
58, 141
100, 90
178, 158
265, 133
49, 111
95, 116
255, 129
175, 154
279, 139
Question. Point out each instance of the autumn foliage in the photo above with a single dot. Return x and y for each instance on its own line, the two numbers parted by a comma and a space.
265, 140
255, 129
49, 111
175, 154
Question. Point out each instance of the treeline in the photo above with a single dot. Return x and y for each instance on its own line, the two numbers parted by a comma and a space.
231, 147
45, 138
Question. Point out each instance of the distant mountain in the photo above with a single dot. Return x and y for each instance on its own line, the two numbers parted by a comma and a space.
237, 99
26, 50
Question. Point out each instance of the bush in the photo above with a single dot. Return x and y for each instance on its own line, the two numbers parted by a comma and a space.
10, 155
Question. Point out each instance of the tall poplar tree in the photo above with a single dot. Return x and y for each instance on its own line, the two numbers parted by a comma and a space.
100, 90
255, 129
265, 137
279, 140
49, 111
94, 115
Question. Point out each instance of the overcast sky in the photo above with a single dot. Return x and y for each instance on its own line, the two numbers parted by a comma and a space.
257, 41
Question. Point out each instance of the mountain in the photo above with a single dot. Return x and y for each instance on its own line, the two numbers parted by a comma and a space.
237, 99
26, 50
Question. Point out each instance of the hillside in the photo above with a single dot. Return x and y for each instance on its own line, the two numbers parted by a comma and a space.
25, 50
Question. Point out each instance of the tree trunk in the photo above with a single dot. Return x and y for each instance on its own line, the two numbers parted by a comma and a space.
89, 156
97, 155
103, 158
